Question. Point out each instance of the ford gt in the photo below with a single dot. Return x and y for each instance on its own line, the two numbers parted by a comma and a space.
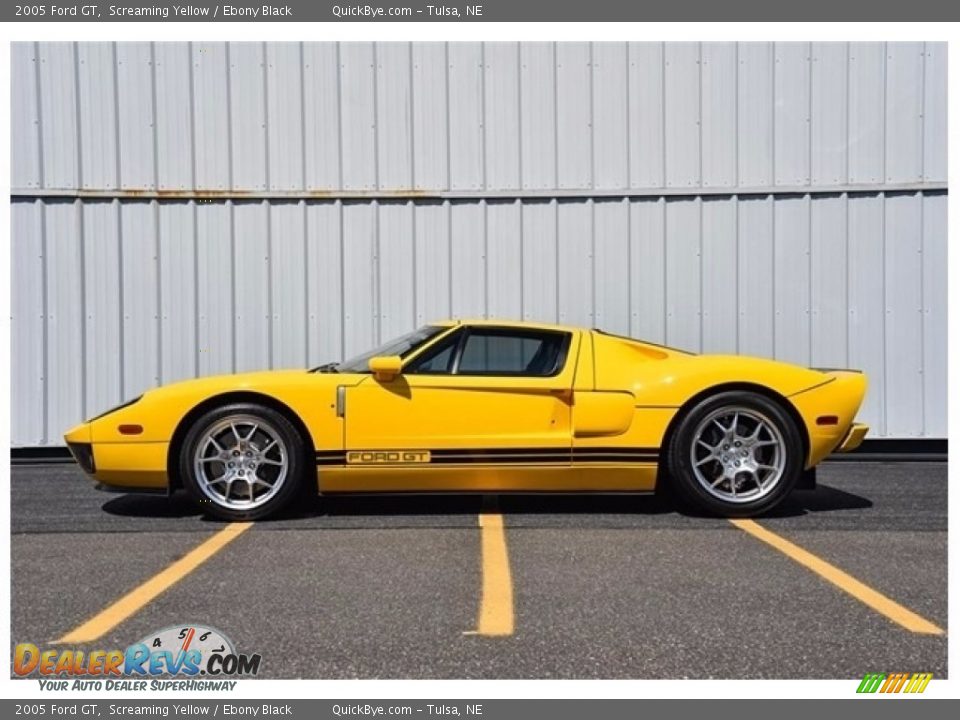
484, 407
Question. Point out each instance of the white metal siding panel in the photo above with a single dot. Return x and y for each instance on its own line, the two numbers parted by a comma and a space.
359, 277
683, 266
324, 282
719, 114
828, 113
538, 115
465, 89
540, 270
828, 281
176, 129
321, 115
288, 286
432, 262
791, 149
755, 269
575, 263
682, 114
611, 266
103, 321
58, 112
252, 285
574, 115
216, 319
504, 259
135, 113
648, 308
502, 115
646, 123
396, 269
248, 116
358, 116
791, 279
394, 121
97, 114
903, 334
210, 114
468, 263
719, 282
431, 139
139, 289
25, 128
178, 291
755, 114
867, 112
935, 315
935, 113
285, 126
904, 112
611, 115
64, 327
27, 322
867, 304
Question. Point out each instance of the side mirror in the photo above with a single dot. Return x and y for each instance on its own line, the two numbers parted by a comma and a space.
386, 367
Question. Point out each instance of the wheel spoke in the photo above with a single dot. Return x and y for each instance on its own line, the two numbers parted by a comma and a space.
241, 486
745, 471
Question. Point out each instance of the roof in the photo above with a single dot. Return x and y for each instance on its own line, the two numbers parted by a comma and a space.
508, 323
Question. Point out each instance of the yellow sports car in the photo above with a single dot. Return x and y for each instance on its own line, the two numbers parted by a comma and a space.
484, 406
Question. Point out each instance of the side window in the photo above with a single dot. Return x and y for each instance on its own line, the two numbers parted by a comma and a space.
501, 352
437, 360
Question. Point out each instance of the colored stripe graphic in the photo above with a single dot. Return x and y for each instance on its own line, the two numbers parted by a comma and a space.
894, 683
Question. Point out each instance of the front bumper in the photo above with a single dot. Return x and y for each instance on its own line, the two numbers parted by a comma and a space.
853, 438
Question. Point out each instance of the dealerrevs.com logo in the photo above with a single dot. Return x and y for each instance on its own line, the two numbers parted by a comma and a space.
187, 657
894, 683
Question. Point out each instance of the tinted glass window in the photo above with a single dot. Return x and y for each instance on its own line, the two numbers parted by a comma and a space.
507, 353
436, 361
402, 346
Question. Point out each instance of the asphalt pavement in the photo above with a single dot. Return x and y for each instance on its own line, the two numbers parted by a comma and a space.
607, 586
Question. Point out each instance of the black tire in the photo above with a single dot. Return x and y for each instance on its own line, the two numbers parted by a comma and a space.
710, 415
289, 448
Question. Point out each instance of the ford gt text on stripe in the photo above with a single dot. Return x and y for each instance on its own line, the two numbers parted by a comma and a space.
484, 406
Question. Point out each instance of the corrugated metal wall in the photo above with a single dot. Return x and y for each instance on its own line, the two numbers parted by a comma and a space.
187, 209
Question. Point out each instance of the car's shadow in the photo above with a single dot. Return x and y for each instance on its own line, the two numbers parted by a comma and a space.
179, 505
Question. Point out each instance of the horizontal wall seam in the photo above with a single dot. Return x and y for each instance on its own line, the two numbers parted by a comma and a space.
560, 194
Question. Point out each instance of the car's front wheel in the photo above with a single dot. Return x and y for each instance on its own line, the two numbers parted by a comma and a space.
735, 454
242, 461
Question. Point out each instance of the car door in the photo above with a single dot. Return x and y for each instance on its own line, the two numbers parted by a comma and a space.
483, 395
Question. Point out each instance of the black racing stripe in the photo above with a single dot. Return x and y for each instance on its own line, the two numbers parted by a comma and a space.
537, 455
502, 451
615, 451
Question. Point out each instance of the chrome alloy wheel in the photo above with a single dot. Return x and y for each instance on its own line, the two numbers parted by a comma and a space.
240, 462
738, 454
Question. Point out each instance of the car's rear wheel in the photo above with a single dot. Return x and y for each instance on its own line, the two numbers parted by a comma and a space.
735, 454
242, 461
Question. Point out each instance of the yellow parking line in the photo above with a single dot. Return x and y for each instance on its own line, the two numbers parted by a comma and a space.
868, 596
135, 600
496, 602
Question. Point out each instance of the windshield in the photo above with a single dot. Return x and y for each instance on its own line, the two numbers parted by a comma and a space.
402, 346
